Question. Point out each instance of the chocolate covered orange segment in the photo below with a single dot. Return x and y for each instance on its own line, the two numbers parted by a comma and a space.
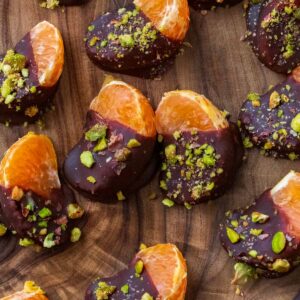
30, 292
121, 102
265, 235
141, 39
201, 149
157, 272
170, 17
29, 74
33, 203
30, 164
271, 121
116, 154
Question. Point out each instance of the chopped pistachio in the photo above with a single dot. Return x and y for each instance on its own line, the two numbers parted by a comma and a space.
126, 40
168, 202
255, 231
91, 179
122, 154
139, 267
102, 145
234, 223
125, 289
32, 89
258, 217
93, 41
253, 253
120, 196
48, 241
75, 235
274, 100
95, 133
243, 273
133, 143
45, 212
278, 242
146, 296
75, 211
3, 229
293, 156
26, 242
43, 224
91, 27
281, 266
160, 138
170, 152
87, 159
104, 290
295, 124
187, 205
25, 72
232, 235
177, 135
142, 246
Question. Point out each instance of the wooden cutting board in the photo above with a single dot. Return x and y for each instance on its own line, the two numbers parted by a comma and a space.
218, 65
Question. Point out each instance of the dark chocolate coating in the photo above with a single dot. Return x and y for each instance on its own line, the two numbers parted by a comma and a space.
137, 286
262, 243
273, 41
208, 4
265, 126
72, 2
15, 113
229, 152
111, 175
147, 56
16, 216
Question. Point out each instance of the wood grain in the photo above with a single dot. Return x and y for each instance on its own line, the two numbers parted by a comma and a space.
218, 65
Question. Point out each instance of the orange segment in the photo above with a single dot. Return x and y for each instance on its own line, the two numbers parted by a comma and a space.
30, 164
30, 292
48, 52
170, 17
286, 195
167, 269
121, 102
186, 111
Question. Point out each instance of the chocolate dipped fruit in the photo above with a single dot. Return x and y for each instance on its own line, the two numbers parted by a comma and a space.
141, 39
29, 74
202, 150
31, 291
274, 33
116, 154
211, 4
157, 272
33, 202
52, 4
272, 121
266, 235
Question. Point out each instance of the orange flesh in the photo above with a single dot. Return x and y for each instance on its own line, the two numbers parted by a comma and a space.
48, 52
25, 296
187, 111
121, 102
30, 164
170, 17
286, 195
167, 269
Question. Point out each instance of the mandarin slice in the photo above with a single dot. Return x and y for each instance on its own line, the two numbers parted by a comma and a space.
48, 52
170, 17
122, 102
30, 164
187, 111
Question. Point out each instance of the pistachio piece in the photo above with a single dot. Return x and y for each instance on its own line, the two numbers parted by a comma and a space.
274, 100
104, 290
278, 242
295, 124
147, 296
125, 289
87, 159
232, 235
3, 229
133, 143
139, 267
75, 235
48, 241
45, 212
258, 217
75, 211
281, 265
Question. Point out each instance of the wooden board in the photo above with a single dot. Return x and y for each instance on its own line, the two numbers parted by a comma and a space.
218, 65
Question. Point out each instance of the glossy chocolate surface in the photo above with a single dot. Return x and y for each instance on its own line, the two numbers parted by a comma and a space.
111, 174
274, 33
125, 41
27, 106
23, 216
261, 243
137, 285
270, 128
208, 4
200, 176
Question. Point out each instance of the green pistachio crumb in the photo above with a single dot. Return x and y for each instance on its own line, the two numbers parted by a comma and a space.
120, 196
232, 235
3, 229
255, 231
43, 224
125, 289
253, 253
87, 159
168, 202
91, 179
170, 152
163, 185
32, 89
95, 133
281, 266
234, 223
177, 135
243, 273
25, 72
188, 205
274, 100
48, 241
278, 242
122, 154
75, 211
91, 27
133, 143
293, 156
139, 267
75, 235
104, 290
26, 242
93, 41
160, 138
254, 98
126, 40
101, 145
295, 124
258, 217
103, 43
146, 296
45, 212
